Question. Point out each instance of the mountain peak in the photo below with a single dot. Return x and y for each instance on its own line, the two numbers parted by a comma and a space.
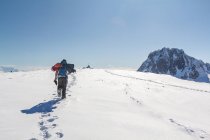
175, 62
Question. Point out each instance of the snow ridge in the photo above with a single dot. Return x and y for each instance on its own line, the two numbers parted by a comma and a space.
163, 84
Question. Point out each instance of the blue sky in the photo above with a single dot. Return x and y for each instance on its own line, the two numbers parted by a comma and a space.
102, 33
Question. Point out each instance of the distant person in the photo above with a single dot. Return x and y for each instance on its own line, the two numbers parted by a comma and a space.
61, 76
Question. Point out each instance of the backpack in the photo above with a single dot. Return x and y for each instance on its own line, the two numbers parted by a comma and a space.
62, 72
56, 67
70, 68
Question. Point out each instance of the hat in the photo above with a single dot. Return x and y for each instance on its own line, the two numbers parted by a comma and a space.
63, 61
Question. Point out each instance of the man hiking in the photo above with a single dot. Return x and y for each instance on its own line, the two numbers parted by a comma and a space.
61, 76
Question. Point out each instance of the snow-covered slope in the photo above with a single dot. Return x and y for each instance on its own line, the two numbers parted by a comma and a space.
103, 105
175, 62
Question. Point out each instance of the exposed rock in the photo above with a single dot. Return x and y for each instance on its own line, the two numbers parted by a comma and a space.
88, 67
175, 62
208, 67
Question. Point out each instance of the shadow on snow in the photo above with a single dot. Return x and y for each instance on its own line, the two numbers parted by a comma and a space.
44, 107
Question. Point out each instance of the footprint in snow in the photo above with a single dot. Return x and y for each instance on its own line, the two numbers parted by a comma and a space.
33, 139
45, 115
46, 135
52, 119
59, 134
46, 121
41, 123
135, 100
193, 132
42, 128
54, 125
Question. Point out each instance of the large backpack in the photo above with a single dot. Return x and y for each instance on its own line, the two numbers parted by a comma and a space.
62, 72
70, 68
56, 67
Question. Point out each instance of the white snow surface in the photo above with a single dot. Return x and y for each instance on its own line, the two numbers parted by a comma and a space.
103, 105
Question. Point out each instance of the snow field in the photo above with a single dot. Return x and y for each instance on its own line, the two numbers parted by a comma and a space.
103, 104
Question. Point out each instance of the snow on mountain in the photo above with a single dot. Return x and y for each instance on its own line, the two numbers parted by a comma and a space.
8, 69
103, 105
176, 63
208, 68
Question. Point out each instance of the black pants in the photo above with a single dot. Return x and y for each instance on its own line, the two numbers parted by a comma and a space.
62, 83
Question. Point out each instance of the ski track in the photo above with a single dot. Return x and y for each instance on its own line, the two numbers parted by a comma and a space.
159, 83
47, 120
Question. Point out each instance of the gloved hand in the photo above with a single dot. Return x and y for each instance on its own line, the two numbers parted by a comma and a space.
55, 81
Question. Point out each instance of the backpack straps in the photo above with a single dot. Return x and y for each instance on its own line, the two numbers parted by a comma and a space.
62, 72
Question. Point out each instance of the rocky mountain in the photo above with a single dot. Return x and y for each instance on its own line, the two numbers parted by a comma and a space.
208, 67
176, 63
88, 67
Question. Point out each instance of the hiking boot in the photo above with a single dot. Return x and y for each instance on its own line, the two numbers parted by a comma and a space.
59, 92
63, 95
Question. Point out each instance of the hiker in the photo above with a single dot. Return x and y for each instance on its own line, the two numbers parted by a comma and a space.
61, 77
